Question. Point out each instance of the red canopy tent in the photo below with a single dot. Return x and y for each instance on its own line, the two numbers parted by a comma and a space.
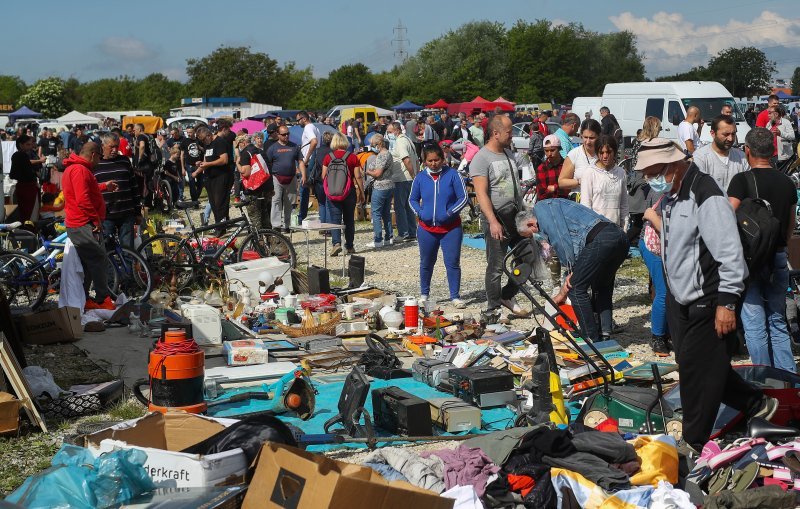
477, 105
501, 99
441, 104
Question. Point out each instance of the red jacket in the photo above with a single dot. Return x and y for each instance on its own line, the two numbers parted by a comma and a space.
83, 202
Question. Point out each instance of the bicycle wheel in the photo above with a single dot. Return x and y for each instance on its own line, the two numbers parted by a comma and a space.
163, 197
268, 243
168, 257
22, 281
129, 273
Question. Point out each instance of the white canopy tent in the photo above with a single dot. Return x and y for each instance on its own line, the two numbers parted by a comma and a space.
76, 117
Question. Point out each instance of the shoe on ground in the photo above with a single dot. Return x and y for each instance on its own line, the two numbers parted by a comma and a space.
616, 328
389, 242
659, 346
409, 239
351, 250
423, 298
96, 326
768, 408
505, 318
375, 245
514, 307
337, 248
107, 303
458, 303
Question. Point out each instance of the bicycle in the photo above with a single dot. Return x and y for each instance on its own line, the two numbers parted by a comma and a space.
161, 191
181, 261
28, 279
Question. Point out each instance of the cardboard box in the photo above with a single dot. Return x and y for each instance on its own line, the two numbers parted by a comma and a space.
9, 413
287, 477
161, 436
366, 294
60, 325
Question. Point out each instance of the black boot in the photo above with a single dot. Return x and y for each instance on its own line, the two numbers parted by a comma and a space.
659, 346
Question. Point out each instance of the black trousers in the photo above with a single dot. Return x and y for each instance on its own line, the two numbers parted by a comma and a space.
219, 195
704, 365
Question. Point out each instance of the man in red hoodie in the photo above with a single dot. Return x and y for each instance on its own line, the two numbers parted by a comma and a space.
85, 211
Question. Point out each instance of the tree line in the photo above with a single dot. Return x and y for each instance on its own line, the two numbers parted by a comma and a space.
529, 62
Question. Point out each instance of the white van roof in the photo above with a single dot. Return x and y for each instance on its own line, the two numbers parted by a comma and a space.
689, 89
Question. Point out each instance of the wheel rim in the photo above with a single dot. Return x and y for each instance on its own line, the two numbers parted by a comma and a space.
21, 293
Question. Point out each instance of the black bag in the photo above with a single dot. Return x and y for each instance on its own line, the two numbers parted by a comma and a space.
759, 229
506, 214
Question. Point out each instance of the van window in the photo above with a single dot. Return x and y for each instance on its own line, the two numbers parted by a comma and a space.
370, 117
675, 113
711, 107
655, 108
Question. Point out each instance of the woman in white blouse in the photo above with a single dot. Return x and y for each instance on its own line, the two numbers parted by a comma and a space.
580, 158
603, 185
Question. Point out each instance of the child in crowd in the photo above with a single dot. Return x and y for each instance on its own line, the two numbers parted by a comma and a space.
437, 197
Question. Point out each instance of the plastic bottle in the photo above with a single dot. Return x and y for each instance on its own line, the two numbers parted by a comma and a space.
411, 313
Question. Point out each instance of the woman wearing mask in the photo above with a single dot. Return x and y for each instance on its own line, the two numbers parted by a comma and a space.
437, 197
380, 169
603, 187
580, 158
638, 189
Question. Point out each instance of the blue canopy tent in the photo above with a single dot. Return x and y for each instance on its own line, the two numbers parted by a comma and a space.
406, 106
23, 112
786, 97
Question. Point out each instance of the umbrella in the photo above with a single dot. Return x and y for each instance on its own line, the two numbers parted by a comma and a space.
251, 126
24, 112
438, 104
407, 106
76, 117
783, 95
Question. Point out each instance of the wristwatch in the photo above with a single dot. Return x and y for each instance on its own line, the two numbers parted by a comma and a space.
730, 307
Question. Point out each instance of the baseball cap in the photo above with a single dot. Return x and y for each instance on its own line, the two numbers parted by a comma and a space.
551, 140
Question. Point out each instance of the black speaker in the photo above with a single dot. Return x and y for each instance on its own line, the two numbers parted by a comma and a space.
396, 411
319, 280
355, 270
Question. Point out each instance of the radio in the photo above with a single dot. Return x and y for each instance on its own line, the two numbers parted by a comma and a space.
397, 411
483, 386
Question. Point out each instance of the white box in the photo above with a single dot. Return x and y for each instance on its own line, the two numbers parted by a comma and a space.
247, 273
161, 436
245, 352
206, 323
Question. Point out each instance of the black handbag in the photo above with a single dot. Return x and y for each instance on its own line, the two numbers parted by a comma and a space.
506, 214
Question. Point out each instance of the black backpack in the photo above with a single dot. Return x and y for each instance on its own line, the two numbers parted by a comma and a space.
759, 229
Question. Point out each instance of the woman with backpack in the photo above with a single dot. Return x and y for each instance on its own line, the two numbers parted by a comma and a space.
315, 175
379, 168
341, 179
437, 197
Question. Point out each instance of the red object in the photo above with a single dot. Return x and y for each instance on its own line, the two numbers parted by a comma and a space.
422, 340
106, 304
438, 104
178, 362
83, 201
546, 176
763, 118
125, 147
521, 483
412, 315
610, 425
567, 309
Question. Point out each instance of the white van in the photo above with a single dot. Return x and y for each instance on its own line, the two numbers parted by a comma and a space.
632, 102
591, 105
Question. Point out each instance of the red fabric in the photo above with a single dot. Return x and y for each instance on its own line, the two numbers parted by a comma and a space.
26, 195
352, 162
762, 119
521, 483
610, 425
773, 128
125, 147
83, 201
546, 176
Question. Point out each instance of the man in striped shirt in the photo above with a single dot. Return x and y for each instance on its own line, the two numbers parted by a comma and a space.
123, 206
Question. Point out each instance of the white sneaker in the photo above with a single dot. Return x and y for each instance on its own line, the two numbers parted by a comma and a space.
514, 307
375, 245
458, 303
389, 242
423, 298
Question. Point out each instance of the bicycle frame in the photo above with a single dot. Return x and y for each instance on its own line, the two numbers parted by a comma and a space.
242, 221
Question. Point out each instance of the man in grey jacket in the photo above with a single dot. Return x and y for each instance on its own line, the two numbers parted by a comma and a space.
705, 272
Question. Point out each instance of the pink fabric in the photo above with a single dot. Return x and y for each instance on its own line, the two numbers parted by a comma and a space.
465, 466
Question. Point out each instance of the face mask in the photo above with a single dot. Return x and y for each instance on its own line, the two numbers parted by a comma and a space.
375, 149
660, 185
434, 172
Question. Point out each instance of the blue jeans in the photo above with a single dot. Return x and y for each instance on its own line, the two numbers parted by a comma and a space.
764, 319
339, 211
123, 227
429, 244
322, 200
404, 215
382, 213
596, 269
658, 313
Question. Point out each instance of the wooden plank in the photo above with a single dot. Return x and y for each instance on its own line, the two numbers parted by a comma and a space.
23, 392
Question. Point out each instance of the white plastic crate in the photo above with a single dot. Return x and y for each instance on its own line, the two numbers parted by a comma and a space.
206, 323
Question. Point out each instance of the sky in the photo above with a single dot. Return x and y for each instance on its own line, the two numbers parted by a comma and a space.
90, 39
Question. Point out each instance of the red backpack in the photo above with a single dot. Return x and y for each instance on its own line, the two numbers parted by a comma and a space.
338, 182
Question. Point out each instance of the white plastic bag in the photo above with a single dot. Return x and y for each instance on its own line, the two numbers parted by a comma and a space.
41, 382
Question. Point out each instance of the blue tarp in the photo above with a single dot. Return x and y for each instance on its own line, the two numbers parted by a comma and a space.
24, 112
407, 106
492, 419
784, 96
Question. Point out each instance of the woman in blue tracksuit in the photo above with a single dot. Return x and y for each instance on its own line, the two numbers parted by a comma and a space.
437, 197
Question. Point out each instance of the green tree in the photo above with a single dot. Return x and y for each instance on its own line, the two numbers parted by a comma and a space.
796, 81
290, 83
158, 93
46, 96
109, 94
744, 71
699, 73
349, 84
11, 88
234, 72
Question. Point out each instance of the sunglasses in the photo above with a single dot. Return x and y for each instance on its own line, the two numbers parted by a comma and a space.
283, 134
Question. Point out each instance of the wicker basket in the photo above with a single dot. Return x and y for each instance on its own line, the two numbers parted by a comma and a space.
310, 326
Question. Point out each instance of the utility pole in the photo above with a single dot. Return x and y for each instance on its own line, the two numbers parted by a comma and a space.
401, 42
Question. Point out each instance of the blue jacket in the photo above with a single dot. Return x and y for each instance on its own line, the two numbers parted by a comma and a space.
438, 202
565, 225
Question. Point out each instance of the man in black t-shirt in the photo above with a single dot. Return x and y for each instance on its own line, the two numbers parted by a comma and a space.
49, 144
141, 155
215, 166
229, 137
192, 152
77, 142
763, 311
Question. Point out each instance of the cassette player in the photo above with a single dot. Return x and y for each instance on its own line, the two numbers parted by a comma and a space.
317, 343
397, 411
431, 371
483, 386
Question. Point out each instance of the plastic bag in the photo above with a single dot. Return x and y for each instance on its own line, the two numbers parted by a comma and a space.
79, 480
41, 382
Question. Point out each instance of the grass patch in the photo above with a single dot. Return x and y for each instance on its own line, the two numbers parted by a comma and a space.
24, 456
127, 410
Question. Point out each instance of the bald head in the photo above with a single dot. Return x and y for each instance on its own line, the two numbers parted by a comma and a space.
89, 149
499, 133
693, 114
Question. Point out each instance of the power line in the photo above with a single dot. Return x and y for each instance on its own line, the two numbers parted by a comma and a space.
400, 32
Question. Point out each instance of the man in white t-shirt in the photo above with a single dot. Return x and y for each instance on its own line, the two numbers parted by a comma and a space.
688, 136
719, 159
308, 145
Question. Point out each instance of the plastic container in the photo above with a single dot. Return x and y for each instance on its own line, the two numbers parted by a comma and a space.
411, 312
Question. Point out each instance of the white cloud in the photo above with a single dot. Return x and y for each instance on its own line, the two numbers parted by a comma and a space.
672, 43
128, 48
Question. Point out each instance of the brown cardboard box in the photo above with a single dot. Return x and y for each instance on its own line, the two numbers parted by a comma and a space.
288, 477
60, 325
366, 294
9, 413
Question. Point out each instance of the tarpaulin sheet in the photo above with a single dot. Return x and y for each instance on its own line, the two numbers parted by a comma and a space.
492, 419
